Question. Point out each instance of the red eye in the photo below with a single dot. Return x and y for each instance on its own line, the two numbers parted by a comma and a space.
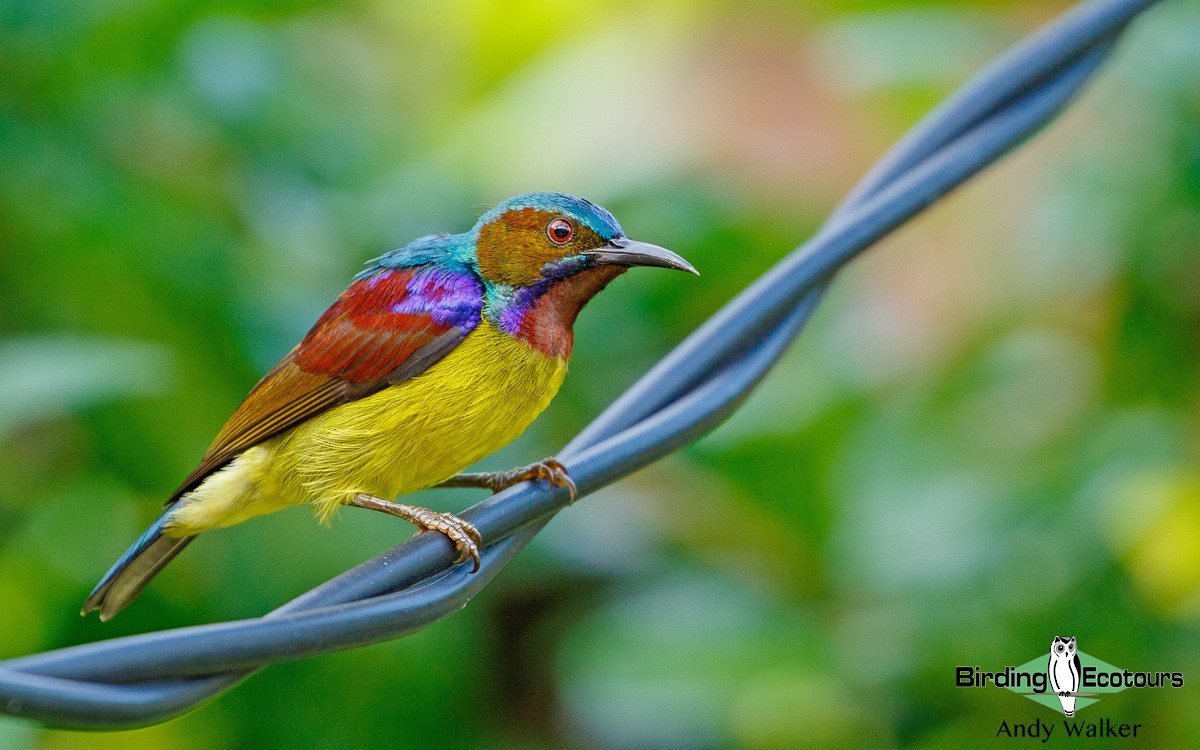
560, 231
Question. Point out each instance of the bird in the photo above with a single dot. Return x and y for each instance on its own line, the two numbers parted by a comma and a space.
438, 354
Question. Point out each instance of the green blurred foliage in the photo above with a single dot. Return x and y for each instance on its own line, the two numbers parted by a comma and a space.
988, 436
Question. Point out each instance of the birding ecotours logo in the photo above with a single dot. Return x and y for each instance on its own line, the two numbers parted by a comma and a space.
1069, 681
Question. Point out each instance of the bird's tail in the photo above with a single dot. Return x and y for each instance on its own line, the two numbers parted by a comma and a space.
130, 574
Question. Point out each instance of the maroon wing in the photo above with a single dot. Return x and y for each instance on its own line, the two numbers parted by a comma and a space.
384, 329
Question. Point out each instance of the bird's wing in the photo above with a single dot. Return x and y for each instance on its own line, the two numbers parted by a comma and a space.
384, 329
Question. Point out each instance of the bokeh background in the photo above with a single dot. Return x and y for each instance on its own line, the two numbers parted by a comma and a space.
988, 436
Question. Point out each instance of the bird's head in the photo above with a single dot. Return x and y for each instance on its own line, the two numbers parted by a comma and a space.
549, 236
544, 255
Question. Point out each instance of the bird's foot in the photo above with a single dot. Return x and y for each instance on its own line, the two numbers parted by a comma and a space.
463, 534
549, 469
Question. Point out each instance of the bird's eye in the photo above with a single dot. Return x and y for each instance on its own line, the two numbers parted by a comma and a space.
560, 231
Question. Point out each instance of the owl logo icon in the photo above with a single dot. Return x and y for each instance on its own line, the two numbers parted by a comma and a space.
1063, 671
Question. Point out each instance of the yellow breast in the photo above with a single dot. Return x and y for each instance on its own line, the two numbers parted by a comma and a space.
479, 398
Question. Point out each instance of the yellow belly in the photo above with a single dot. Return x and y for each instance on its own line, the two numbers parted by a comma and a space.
477, 399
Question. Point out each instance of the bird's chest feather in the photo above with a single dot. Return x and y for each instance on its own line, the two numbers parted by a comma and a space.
409, 436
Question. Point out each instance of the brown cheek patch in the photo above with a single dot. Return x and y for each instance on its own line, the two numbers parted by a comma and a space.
514, 248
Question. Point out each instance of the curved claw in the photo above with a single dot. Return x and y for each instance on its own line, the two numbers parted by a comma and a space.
463, 534
552, 470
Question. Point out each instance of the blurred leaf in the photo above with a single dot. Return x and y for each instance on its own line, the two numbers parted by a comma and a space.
45, 376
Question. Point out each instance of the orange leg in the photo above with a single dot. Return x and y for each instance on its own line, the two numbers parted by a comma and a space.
549, 469
464, 535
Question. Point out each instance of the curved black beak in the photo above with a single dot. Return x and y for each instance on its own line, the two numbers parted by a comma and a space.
622, 251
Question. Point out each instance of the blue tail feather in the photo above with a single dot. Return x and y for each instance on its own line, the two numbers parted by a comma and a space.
129, 575
145, 540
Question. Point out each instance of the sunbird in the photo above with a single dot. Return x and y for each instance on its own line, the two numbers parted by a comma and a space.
437, 355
